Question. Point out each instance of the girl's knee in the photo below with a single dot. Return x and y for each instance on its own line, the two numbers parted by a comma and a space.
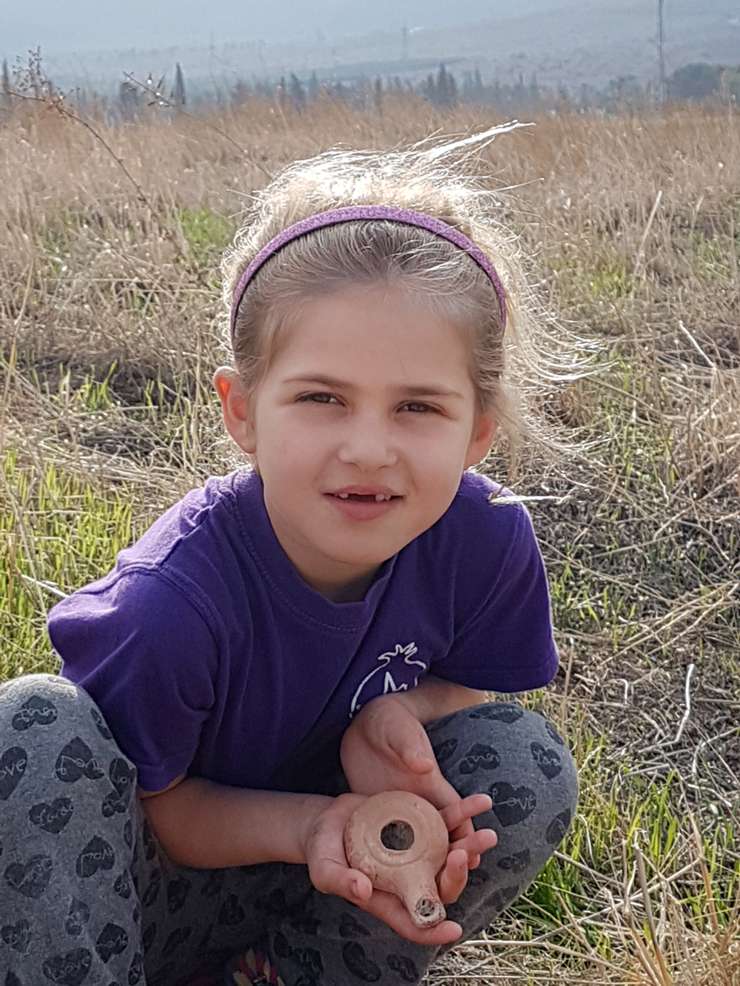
55, 741
46, 711
41, 683
519, 759
40, 699
516, 756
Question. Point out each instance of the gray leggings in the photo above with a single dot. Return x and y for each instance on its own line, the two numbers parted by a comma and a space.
87, 895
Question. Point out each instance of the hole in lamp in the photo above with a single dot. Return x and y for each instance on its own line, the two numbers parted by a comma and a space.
397, 835
426, 907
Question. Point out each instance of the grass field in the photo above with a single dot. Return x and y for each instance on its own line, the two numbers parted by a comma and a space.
110, 328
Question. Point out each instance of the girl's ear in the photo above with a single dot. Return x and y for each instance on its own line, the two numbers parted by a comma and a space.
484, 428
238, 412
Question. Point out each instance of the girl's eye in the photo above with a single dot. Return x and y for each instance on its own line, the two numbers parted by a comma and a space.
419, 408
321, 397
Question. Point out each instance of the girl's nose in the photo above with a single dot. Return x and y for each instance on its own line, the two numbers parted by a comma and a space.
367, 444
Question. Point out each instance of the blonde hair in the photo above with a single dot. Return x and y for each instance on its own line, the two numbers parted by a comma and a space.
509, 369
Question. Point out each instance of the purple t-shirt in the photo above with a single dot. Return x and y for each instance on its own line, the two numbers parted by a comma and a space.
209, 655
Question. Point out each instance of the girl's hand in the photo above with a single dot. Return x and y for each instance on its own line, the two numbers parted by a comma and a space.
386, 748
322, 841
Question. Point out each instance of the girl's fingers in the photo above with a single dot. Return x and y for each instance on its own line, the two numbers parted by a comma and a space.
409, 741
462, 831
462, 811
418, 761
481, 841
454, 876
388, 908
332, 877
360, 887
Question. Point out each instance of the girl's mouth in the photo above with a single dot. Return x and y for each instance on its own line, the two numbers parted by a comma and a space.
366, 497
363, 506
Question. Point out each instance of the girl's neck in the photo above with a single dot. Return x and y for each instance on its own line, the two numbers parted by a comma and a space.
352, 592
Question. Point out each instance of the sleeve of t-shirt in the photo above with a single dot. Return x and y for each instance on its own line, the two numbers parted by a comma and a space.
506, 642
146, 656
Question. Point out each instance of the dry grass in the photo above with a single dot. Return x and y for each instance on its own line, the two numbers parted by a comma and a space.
630, 225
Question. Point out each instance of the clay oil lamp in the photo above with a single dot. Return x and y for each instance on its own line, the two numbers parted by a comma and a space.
400, 842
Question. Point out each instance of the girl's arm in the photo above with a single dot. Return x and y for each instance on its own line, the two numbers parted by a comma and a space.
435, 697
208, 826
386, 748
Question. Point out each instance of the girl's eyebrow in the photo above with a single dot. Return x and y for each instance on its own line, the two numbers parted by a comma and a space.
418, 390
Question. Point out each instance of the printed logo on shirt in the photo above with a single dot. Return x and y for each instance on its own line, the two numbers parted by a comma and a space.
396, 672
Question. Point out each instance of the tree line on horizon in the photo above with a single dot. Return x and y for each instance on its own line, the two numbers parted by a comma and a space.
694, 82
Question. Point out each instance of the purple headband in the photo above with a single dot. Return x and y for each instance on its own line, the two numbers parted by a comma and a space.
343, 215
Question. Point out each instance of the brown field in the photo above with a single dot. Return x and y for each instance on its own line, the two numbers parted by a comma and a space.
110, 325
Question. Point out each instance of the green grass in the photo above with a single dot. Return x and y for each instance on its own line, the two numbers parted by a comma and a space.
713, 255
599, 276
610, 280
58, 531
207, 234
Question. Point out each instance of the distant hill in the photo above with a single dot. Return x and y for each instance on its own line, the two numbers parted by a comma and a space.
561, 41
104, 24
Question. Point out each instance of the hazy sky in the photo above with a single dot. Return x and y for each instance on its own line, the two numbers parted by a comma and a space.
81, 25
92, 42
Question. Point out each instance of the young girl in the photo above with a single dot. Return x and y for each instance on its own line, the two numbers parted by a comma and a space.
300, 634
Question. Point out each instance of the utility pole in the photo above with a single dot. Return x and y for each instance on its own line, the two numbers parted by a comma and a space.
661, 58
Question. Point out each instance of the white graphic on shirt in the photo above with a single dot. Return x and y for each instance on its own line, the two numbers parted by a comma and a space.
393, 674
